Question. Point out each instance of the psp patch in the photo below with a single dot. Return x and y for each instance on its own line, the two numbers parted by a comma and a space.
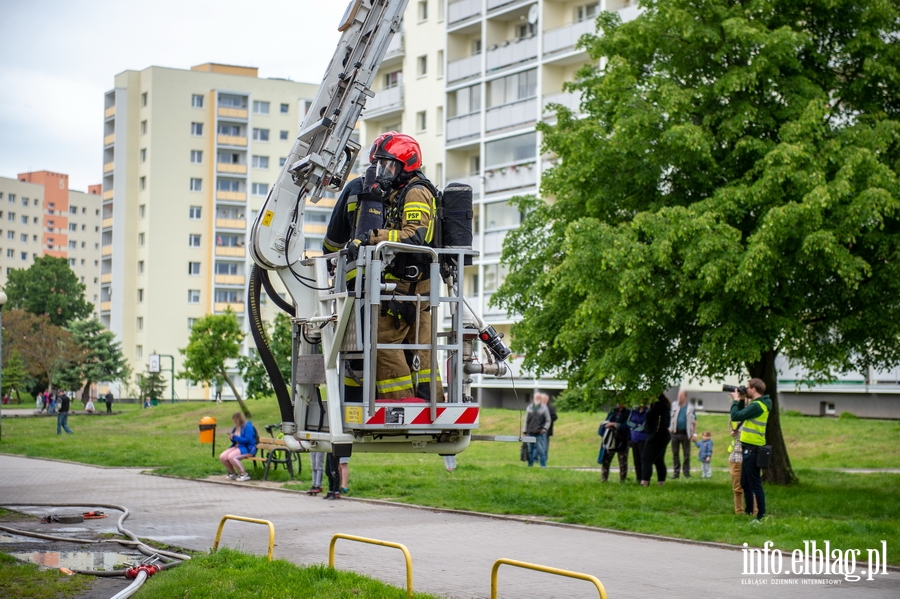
414, 215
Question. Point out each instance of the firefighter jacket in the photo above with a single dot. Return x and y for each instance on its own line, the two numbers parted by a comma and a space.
409, 218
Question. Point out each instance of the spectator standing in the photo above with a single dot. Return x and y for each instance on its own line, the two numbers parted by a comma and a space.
706, 450
636, 420
755, 416
537, 423
108, 400
615, 434
62, 418
658, 436
548, 403
735, 458
317, 462
683, 424
243, 445
450, 463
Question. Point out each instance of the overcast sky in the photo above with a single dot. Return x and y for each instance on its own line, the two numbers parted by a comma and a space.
58, 58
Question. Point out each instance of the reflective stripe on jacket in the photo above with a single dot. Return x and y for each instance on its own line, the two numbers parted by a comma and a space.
754, 431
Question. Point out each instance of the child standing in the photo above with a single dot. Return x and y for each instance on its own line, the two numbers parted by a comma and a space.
706, 449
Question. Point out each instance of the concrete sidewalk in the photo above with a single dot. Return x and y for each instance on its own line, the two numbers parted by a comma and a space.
452, 553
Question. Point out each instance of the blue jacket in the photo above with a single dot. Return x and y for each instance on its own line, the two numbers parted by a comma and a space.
246, 440
636, 421
705, 446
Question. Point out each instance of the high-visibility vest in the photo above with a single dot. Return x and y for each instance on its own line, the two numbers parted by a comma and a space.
754, 431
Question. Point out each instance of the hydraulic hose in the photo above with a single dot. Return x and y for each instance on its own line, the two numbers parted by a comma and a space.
270, 291
262, 344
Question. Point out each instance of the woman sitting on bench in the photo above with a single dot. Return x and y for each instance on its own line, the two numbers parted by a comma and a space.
243, 445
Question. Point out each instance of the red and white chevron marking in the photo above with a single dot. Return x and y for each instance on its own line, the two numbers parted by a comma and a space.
417, 415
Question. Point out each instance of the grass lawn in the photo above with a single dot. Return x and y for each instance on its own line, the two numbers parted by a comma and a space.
850, 510
229, 574
18, 579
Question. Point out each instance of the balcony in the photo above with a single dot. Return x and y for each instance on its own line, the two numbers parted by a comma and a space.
564, 38
106, 277
223, 306
314, 229
462, 10
108, 194
395, 48
464, 68
108, 167
106, 250
231, 223
385, 102
232, 113
492, 4
473, 180
105, 306
231, 140
570, 100
109, 140
461, 127
232, 196
230, 251
512, 52
229, 279
107, 223
510, 176
235, 169
511, 115
109, 112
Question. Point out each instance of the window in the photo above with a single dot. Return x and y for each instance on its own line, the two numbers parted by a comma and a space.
83, 244
191, 322
281, 161
142, 210
73, 227
233, 130
228, 185
439, 125
72, 245
142, 183
587, 12
422, 65
260, 135
194, 240
143, 99
440, 64
464, 101
512, 88
494, 275
193, 297
140, 323
440, 11
23, 237
423, 10
140, 267
524, 31
230, 297
501, 215
260, 189
10, 253
226, 268
260, 107
196, 101
25, 202
196, 156
229, 158
139, 351
12, 198
143, 127
11, 216
140, 295
23, 256
232, 101
283, 135
10, 234
141, 238
194, 212
73, 210
261, 162
476, 47
421, 121
510, 150
439, 174
196, 184
392, 79
197, 129
193, 268
284, 109
25, 220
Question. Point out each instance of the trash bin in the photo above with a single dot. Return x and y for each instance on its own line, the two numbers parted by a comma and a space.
207, 430
154, 402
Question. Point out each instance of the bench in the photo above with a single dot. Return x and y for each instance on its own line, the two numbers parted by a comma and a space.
271, 448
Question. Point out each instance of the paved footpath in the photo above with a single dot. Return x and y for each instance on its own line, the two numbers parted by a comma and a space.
452, 553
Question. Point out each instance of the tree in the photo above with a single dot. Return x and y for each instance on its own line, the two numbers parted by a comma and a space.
732, 193
256, 379
14, 374
45, 347
48, 286
103, 355
151, 385
214, 339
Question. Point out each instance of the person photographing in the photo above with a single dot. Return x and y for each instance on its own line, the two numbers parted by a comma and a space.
751, 406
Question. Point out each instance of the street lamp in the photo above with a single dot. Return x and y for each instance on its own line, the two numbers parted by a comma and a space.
2, 303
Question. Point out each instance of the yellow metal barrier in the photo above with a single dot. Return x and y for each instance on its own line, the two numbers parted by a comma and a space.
548, 570
253, 520
409, 583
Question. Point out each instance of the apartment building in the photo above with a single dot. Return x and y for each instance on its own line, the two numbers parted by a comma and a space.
189, 157
41, 216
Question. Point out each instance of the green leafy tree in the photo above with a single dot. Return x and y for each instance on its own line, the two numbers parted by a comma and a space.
15, 376
48, 286
45, 348
256, 379
215, 339
151, 385
103, 359
731, 193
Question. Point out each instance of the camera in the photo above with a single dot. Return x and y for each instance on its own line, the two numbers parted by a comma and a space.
730, 388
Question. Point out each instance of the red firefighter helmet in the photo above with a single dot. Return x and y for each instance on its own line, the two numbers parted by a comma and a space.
377, 141
402, 148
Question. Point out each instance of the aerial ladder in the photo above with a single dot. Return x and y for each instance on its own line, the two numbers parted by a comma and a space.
333, 325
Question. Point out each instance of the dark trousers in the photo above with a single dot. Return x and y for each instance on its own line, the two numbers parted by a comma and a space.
332, 471
751, 482
655, 455
680, 441
109, 407
623, 463
637, 450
